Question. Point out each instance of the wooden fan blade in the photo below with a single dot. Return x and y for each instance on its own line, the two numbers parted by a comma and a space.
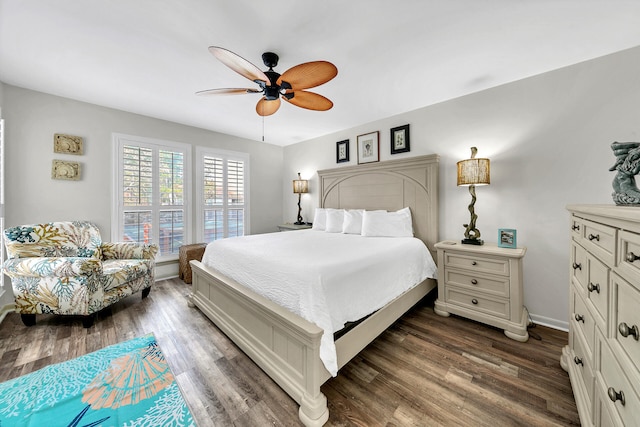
239, 65
228, 91
309, 74
308, 100
267, 108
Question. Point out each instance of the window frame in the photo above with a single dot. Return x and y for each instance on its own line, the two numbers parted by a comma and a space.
118, 208
226, 155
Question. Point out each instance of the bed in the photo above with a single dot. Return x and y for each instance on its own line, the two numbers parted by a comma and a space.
285, 345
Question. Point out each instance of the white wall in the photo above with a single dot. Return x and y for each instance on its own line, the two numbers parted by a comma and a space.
548, 138
32, 118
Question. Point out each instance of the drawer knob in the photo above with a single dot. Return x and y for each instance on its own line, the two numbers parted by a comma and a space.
625, 330
631, 257
591, 287
578, 361
474, 282
575, 227
474, 263
595, 237
614, 395
579, 318
474, 301
577, 266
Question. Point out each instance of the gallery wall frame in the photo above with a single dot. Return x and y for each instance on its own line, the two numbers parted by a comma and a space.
400, 142
369, 147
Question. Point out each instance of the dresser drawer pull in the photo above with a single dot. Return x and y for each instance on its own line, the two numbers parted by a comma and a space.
579, 318
591, 287
594, 237
577, 266
631, 257
474, 263
578, 361
474, 282
474, 301
575, 227
614, 395
625, 330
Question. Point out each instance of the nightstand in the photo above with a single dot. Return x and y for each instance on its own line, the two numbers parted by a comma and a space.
483, 283
292, 227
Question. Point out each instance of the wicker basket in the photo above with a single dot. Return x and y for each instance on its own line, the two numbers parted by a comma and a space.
187, 253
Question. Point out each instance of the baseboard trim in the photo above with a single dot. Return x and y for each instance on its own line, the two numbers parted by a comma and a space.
551, 323
9, 308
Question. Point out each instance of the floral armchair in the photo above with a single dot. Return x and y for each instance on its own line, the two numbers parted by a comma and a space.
65, 268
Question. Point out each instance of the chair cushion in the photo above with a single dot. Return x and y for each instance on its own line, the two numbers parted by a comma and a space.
52, 266
54, 239
117, 272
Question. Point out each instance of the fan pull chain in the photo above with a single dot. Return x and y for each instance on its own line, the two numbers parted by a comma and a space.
262, 128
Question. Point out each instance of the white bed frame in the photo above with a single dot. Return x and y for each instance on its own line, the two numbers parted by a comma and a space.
285, 345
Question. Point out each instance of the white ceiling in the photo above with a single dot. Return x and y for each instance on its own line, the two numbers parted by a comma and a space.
150, 56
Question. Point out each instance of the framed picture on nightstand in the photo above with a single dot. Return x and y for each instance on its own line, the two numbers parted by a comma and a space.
507, 238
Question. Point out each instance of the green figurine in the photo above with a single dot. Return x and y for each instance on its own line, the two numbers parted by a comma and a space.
627, 164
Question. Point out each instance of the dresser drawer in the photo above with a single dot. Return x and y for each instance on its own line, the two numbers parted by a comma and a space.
582, 320
600, 240
472, 262
582, 363
576, 228
616, 382
494, 285
478, 302
629, 256
597, 289
579, 268
626, 319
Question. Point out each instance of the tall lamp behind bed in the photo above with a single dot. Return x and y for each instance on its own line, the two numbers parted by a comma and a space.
300, 186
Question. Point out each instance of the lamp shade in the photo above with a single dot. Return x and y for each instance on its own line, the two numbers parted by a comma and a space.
300, 185
474, 171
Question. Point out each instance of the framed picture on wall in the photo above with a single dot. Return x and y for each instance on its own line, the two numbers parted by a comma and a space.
342, 151
507, 238
400, 139
369, 147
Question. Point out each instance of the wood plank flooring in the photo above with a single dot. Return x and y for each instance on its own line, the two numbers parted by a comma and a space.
425, 370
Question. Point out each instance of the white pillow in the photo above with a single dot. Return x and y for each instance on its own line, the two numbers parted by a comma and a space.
387, 224
335, 218
352, 223
319, 219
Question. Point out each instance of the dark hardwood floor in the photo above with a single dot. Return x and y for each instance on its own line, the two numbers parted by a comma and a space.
425, 370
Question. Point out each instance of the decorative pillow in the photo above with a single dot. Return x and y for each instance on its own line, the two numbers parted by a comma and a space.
335, 218
320, 219
352, 223
387, 224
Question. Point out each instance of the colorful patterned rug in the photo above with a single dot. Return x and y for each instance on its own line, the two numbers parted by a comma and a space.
127, 384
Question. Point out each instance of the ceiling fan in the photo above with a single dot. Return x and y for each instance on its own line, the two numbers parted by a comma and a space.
289, 85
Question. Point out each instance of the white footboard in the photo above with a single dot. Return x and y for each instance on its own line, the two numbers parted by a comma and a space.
284, 345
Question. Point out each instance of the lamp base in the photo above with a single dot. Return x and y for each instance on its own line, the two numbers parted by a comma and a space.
472, 242
299, 223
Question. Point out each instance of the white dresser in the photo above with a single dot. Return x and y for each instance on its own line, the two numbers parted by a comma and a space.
603, 355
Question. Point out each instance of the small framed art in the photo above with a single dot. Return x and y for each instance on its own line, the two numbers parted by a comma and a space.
342, 151
507, 238
400, 139
369, 147
67, 144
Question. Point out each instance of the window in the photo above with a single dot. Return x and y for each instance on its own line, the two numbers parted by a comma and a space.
222, 194
152, 187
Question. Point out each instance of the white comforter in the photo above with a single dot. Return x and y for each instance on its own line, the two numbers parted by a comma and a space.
326, 278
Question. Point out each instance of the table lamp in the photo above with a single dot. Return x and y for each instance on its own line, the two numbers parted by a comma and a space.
472, 172
300, 186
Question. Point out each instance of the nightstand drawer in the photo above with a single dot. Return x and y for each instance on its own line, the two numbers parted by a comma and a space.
494, 285
478, 302
476, 263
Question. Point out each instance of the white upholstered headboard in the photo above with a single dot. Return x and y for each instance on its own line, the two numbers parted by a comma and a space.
389, 185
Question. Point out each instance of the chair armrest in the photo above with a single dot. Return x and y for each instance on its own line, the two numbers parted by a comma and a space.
52, 266
128, 250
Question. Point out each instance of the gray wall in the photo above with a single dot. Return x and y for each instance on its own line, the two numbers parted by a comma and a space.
32, 118
548, 138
